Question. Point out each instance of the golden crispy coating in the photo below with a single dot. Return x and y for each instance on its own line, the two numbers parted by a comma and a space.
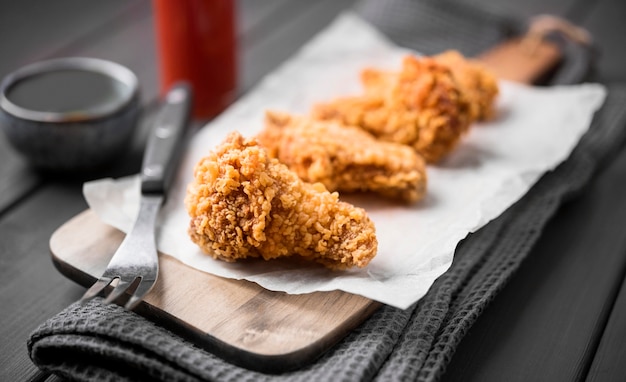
243, 204
421, 105
344, 158
478, 84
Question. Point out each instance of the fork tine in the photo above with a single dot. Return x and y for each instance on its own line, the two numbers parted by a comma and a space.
117, 292
95, 289
142, 289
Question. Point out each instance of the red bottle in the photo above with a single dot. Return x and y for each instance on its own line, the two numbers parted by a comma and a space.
196, 41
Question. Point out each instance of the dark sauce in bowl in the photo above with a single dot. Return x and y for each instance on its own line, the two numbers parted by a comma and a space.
70, 89
70, 114
66, 91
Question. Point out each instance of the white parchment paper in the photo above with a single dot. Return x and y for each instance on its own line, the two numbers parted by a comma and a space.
495, 165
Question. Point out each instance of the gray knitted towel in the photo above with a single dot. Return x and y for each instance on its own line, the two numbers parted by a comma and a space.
104, 342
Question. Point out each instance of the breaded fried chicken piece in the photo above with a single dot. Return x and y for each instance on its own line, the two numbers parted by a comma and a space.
478, 84
344, 158
244, 204
421, 106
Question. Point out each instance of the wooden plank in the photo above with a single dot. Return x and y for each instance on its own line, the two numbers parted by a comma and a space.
526, 9
564, 292
252, 14
129, 42
18, 180
515, 60
608, 363
605, 22
32, 30
32, 291
546, 323
287, 34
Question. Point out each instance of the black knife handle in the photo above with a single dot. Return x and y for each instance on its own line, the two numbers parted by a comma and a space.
164, 143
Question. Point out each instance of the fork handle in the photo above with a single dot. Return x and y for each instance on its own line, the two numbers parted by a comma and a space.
165, 141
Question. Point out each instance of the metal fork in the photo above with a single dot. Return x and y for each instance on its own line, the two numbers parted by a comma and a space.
135, 264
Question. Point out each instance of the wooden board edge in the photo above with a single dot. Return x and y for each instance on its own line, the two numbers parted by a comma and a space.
274, 363
271, 363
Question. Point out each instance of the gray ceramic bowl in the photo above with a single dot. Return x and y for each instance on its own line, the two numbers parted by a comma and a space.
73, 139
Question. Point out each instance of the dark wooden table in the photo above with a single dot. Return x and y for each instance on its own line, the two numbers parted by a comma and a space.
561, 318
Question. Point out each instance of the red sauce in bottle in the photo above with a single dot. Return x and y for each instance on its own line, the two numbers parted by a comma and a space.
196, 41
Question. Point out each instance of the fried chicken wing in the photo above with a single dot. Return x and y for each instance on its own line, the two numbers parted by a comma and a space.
244, 204
478, 84
421, 105
344, 158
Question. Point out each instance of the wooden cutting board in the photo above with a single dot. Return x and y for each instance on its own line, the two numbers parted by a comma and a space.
239, 320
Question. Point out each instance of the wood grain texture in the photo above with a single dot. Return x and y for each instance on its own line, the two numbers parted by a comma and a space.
18, 179
605, 22
608, 361
546, 323
32, 290
32, 30
239, 320
550, 322
526, 9
522, 60
289, 31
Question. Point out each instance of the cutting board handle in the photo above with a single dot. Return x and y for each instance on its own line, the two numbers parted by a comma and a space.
531, 58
